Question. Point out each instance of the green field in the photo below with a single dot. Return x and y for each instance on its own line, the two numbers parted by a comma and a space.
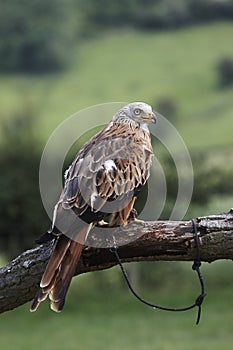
109, 318
129, 66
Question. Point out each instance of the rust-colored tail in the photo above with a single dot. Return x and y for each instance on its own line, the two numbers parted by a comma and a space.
58, 273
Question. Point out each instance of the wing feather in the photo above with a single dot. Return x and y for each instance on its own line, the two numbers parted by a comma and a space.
114, 163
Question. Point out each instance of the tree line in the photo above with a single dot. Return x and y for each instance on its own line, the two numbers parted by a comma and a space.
39, 36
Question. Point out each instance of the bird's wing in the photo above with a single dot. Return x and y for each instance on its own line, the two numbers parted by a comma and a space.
109, 168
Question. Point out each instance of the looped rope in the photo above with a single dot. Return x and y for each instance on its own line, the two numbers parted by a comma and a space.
196, 267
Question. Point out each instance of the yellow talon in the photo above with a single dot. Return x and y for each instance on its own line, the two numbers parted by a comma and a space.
102, 223
132, 220
138, 221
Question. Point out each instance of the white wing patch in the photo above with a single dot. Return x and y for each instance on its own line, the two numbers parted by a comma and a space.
93, 198
109, 165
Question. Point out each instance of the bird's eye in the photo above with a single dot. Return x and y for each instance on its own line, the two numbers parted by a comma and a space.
137, 111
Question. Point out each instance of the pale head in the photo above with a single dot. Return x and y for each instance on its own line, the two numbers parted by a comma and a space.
139, 112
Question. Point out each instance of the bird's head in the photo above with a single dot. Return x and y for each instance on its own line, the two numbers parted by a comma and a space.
139, 112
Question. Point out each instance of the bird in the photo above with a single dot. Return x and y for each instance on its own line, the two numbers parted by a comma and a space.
100, 188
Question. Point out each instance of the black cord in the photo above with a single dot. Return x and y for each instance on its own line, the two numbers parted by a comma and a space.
196, 267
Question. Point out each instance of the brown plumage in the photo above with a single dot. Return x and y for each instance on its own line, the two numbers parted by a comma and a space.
108, 172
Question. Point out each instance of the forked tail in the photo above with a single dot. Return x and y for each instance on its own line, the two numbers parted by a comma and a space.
58, 273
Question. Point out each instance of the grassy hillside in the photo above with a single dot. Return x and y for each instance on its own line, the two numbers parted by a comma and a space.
111, 319
132, 66
128, 66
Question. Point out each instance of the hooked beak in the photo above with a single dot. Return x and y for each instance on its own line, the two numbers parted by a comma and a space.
151, 117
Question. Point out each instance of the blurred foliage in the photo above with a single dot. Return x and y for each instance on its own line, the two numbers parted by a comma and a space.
225, 70
35, 35
219, 182
167, 107
152, 14
22, 217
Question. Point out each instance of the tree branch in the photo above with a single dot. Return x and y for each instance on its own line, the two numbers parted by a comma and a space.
159, 240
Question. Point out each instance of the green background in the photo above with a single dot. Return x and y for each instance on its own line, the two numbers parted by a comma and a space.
121, 63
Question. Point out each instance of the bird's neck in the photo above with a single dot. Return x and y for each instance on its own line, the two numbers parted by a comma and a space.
132, 124
144, 127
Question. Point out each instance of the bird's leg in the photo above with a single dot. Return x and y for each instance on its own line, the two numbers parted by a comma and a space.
133, 217
138, 221
102, 223
126, 216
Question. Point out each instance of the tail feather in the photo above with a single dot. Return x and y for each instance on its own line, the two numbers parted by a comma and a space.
64, 277
67, 270
40, 296
58, 274
55, 260
57, 306
60, 270
48, 288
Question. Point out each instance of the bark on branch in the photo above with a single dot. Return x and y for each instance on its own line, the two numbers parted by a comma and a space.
159, 240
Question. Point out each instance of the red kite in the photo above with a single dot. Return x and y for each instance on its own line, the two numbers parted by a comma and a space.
101, 184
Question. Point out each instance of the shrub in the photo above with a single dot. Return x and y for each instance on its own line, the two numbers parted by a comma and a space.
22, 217
167, 107
225, 70
35, 35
